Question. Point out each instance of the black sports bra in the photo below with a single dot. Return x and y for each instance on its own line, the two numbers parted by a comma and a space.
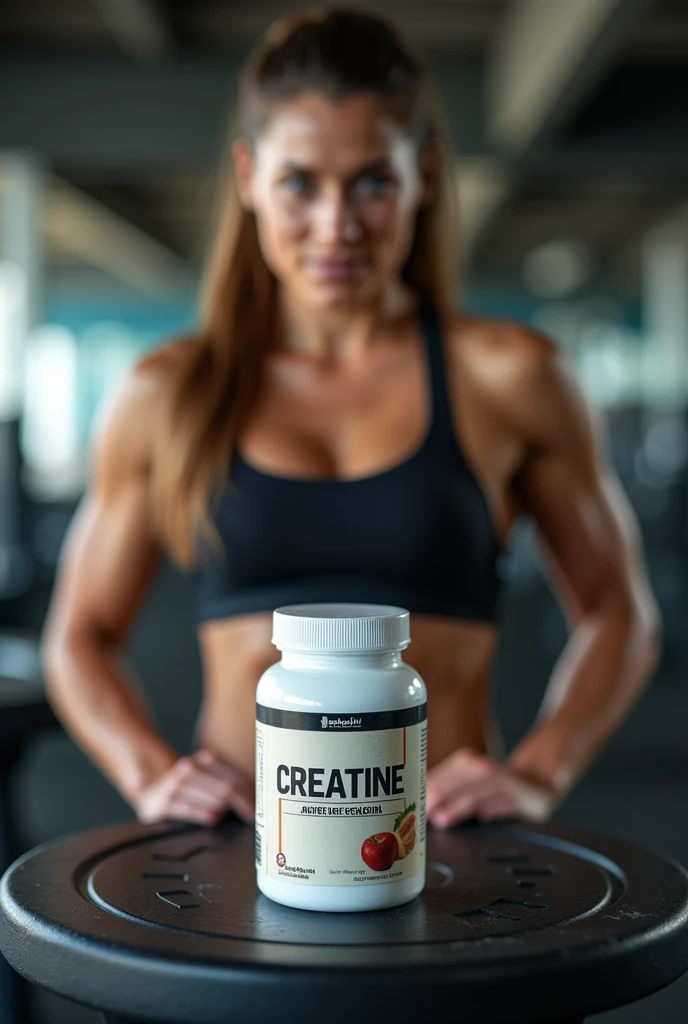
418, 535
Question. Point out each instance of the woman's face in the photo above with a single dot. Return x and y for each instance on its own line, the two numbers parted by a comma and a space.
335, 188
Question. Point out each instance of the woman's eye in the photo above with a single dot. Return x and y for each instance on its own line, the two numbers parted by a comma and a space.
375, 182
302, 185
296, 183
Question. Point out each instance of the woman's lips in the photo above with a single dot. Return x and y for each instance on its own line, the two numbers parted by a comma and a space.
336, 270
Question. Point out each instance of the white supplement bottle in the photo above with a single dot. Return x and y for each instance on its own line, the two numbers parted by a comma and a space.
340, 761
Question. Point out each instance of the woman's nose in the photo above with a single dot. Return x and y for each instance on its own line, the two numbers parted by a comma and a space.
336, 221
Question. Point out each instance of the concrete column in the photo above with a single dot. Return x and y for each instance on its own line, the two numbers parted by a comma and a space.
662, 459
665, 312
22, 186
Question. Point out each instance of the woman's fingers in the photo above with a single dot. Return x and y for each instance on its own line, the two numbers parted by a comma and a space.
229, 798
496, 808
458, 770
459, 785
183, 810
200, 797
465, 802
163, 799
239, 789
201, 789
244, 805
201, 780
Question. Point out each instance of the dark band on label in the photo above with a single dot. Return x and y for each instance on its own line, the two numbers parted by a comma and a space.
331, 723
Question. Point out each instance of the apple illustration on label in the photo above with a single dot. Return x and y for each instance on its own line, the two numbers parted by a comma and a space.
380, 850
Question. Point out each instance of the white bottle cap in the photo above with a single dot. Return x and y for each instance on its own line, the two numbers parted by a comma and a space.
340, 627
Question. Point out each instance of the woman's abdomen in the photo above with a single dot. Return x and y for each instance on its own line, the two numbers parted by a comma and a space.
453, 657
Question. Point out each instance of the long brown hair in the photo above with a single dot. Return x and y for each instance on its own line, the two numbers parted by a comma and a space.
336, 52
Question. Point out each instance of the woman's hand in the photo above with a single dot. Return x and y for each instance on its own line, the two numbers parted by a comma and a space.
470, 785
199, 788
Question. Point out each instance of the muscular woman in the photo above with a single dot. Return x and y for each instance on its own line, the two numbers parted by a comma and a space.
338, 430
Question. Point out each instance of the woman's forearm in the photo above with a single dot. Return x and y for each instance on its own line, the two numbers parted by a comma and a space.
608, 660
102, 707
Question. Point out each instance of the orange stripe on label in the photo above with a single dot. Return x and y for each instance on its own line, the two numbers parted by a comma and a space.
404, 745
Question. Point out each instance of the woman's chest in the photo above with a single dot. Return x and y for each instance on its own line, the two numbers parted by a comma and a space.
367, 426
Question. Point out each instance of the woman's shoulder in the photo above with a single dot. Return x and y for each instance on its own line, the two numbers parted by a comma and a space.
491, 343
150, 379
127, 419
503, 355
526, 375
159, 368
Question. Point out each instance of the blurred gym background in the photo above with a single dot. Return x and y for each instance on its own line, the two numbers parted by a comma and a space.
571, 148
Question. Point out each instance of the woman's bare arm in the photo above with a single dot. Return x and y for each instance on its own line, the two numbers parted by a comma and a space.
597, 567
591, 540
107, 563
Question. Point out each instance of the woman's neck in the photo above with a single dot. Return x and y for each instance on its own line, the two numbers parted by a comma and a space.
341, 334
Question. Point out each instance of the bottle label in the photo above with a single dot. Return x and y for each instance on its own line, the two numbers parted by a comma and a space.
340, 798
